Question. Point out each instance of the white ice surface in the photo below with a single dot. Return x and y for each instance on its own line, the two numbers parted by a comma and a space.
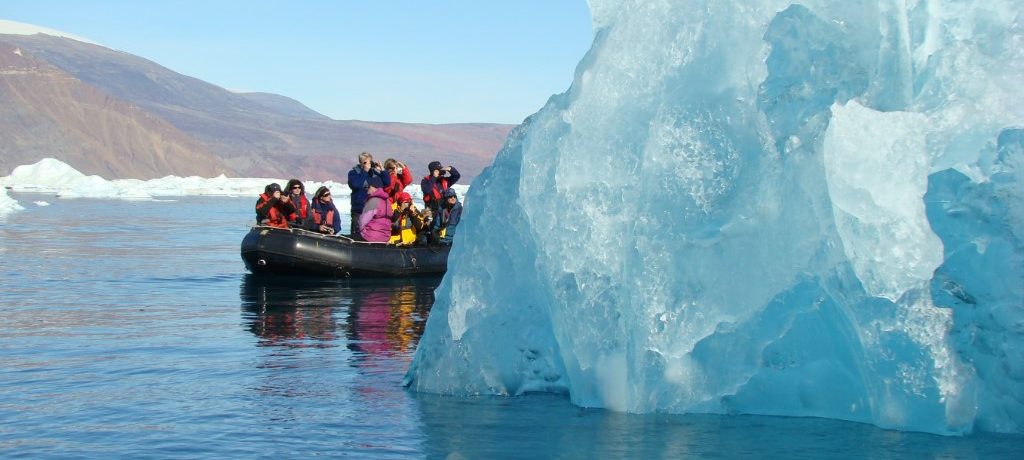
51, 176
8, 204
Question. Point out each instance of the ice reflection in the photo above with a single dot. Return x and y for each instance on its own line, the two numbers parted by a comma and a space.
549, 426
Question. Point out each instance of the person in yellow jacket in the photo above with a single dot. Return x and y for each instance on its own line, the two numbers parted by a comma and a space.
407, 222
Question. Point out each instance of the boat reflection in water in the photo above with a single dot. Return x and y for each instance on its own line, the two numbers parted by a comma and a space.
332, 351
379, 317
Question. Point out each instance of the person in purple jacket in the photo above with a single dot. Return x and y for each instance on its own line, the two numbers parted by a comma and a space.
375, 220
358, 179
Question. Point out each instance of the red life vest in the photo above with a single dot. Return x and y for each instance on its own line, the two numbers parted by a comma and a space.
276, 219
327, 220
432, 197
302, 209
261, 206
273, 215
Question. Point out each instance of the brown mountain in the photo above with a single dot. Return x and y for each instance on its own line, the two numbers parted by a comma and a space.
215, 130
45, 112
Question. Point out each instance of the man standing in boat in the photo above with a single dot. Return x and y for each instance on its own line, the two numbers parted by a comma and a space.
358, 181
434, 185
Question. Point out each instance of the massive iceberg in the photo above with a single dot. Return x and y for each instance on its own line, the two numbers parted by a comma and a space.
764, 207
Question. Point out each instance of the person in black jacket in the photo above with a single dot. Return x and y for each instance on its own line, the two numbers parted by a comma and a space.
434, 185
273, 208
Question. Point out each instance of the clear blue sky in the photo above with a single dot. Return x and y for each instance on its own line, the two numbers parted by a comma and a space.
436, 61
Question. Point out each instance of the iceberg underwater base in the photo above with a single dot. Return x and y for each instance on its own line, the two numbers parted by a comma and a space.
803, 209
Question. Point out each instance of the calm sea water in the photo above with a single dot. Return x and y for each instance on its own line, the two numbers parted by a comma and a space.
130, 329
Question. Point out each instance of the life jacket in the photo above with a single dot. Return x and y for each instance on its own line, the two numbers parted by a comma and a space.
327, 219
276, 218
405, 233
432, 197
262, 205
301, 209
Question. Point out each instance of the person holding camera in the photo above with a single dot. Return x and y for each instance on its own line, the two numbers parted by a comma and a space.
273, 208
407, 222
324, 216
401, 177
359, 180
441, 178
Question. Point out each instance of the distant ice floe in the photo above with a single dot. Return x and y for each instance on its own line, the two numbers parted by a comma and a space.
55, 177
8, 204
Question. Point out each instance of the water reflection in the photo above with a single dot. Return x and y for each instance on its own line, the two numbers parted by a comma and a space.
290, 312
376, 318
389, 322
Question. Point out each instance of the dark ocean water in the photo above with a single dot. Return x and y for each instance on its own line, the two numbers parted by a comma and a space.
131, 330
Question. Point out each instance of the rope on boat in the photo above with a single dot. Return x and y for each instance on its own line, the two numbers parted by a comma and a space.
432, 248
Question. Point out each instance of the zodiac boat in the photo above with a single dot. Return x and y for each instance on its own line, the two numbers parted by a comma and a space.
293, 251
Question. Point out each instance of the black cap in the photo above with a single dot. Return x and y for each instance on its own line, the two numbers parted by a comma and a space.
434, 165
271, 188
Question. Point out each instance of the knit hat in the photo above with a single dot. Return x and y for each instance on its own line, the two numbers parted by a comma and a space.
375, 182
271, 188
404, 198
450, 193
434, 165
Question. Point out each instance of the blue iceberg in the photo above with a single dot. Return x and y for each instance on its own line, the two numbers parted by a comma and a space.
802, 209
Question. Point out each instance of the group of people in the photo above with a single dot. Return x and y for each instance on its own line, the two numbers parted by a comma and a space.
382, 211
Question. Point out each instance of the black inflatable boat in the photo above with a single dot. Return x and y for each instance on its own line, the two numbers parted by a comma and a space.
291, 251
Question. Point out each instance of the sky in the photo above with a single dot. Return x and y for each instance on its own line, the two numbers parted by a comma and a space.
438, 61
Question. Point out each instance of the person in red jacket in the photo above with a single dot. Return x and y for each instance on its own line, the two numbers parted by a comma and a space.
296, 192
401, 177
273, 208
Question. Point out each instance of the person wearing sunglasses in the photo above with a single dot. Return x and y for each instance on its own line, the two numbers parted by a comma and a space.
451, 214
296, 192
359, 180
324, 215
